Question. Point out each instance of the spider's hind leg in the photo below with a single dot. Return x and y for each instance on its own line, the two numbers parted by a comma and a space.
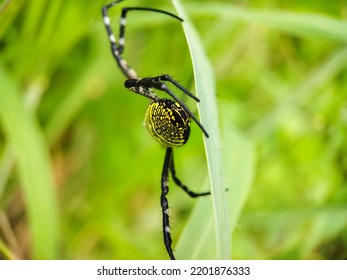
167, 168
164, 202
181, 185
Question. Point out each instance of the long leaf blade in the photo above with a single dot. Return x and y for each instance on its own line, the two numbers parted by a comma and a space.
299, 24
205, 88
34, 169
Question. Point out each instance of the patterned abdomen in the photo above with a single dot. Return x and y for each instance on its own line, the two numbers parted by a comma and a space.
168, 123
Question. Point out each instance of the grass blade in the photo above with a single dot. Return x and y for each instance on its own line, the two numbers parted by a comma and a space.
205, 88
197, 239
299, 24
34, 168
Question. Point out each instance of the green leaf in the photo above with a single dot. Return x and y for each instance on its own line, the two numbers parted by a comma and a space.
197, 239
299, 24
231, 162
34, 168
208, 110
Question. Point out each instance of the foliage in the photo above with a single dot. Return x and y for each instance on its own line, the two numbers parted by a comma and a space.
73, 147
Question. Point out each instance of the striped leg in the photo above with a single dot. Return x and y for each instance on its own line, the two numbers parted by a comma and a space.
123, 21
117, 50
169, 166
164, 202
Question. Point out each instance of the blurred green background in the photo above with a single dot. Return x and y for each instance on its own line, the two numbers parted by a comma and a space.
76, 159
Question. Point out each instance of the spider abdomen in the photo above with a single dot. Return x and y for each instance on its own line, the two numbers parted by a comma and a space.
168, 123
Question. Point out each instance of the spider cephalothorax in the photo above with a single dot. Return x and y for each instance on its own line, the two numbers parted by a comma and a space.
168, 120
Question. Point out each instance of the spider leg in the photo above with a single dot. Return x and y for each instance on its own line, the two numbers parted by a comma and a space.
169, 167
117, 50
123, 20
157, 82
164, 202
180, 184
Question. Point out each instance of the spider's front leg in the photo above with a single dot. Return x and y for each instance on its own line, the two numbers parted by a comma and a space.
118, 47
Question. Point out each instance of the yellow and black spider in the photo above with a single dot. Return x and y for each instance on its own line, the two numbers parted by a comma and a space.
168, 121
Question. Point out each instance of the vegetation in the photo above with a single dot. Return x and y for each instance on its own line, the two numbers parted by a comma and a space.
80, 175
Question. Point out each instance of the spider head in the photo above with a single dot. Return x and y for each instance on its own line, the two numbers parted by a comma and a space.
129, 83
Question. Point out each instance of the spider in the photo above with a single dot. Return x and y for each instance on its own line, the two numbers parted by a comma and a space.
167, 120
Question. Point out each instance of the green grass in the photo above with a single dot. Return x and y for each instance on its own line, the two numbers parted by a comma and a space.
80, 175
205, 89
34, 169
